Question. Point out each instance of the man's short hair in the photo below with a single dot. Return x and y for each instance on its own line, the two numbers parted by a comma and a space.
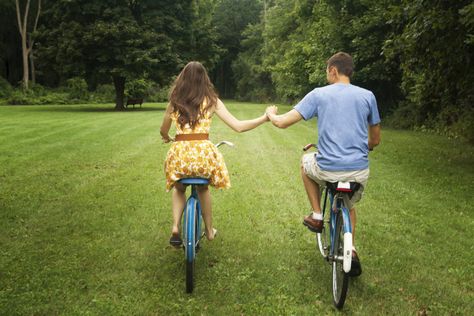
343, 63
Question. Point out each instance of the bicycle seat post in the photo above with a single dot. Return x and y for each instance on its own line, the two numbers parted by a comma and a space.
194, 191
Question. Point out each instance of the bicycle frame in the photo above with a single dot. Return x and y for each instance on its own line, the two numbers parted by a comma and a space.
193, 211
192, 222
199, 215
337, 247
339, 226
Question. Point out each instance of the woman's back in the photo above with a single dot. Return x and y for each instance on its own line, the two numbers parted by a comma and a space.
202, 126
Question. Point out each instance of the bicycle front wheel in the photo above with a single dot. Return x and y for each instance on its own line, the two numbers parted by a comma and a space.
190, 242
340, 279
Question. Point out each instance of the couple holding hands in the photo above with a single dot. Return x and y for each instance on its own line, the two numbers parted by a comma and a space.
348, 128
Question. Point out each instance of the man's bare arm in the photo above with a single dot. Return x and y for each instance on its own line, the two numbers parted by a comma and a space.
374, 136
284, 120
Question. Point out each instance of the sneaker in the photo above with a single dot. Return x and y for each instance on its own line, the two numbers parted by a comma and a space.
356, 268
314, 225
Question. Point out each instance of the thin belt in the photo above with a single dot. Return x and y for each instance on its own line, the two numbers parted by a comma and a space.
187, 137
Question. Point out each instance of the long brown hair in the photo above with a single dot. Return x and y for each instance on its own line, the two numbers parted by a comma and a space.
190, 89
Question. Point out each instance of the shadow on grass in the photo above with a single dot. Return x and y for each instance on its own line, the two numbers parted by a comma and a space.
91, 109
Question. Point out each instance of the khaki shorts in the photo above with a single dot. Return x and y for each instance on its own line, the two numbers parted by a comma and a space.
312, 170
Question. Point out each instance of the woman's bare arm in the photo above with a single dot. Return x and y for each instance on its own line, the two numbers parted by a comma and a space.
237, 125
166, 125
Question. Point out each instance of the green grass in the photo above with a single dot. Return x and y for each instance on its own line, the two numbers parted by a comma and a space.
85, 221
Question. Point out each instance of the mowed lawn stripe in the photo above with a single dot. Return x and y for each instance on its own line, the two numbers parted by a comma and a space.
78, 213
85, 221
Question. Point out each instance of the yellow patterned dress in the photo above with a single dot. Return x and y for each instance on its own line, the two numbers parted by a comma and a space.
196, 158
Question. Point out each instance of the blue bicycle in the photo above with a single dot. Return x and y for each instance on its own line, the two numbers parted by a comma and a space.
335, 243
192, 223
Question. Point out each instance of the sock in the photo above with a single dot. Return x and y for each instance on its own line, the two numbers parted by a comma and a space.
317, 216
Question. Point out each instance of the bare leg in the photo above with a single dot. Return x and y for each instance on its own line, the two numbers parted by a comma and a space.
312, 190
353, 223
206, 207
178, 202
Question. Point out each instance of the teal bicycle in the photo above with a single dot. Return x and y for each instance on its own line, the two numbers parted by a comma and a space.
335, 240
192, 226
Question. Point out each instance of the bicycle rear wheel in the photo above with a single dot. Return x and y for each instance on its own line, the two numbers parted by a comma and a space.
340, 279
190, 242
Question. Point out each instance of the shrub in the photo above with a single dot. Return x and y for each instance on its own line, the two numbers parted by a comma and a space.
20, 97
104, 93
138, 88
40, 96
37, 90
56, 98
77, 88
159, 93
5, 88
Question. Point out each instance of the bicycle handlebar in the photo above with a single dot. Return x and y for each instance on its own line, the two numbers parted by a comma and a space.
305, 148
224, 142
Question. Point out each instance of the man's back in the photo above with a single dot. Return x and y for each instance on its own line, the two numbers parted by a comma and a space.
344, 112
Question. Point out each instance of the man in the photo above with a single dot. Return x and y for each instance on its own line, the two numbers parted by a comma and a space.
348, 128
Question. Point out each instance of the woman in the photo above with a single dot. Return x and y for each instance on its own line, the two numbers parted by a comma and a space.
192, 104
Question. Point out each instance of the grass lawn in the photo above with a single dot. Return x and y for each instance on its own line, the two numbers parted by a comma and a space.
85, 221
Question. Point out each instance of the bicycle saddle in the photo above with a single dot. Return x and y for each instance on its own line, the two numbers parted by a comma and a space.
198, 181
348, 187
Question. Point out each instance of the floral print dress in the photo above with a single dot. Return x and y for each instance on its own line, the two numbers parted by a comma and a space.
196, 158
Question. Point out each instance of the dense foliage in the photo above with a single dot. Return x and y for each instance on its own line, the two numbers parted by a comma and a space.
416, 55
230, 19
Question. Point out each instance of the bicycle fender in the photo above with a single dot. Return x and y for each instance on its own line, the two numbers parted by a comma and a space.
347, 260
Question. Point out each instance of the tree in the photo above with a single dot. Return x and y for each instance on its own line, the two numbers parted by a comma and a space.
230, 19
435, 51
253, 79
106, 39
415, 55
10, 43
124, 39
27, 41
299, 37
368, 26
203, 45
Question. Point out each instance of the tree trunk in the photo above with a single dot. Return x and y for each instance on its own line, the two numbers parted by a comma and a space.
26, 41
31, 44
22, 25
26, 71
32, 67
119, 83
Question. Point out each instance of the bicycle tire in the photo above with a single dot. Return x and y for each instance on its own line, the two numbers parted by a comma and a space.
322, 238
340, 279
190, 242
189, 276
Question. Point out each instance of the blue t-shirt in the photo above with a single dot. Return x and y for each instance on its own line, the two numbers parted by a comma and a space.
344, 112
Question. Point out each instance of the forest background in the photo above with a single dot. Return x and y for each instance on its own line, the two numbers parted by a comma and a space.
415, 55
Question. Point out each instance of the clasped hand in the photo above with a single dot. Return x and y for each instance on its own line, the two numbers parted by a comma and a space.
271, 110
